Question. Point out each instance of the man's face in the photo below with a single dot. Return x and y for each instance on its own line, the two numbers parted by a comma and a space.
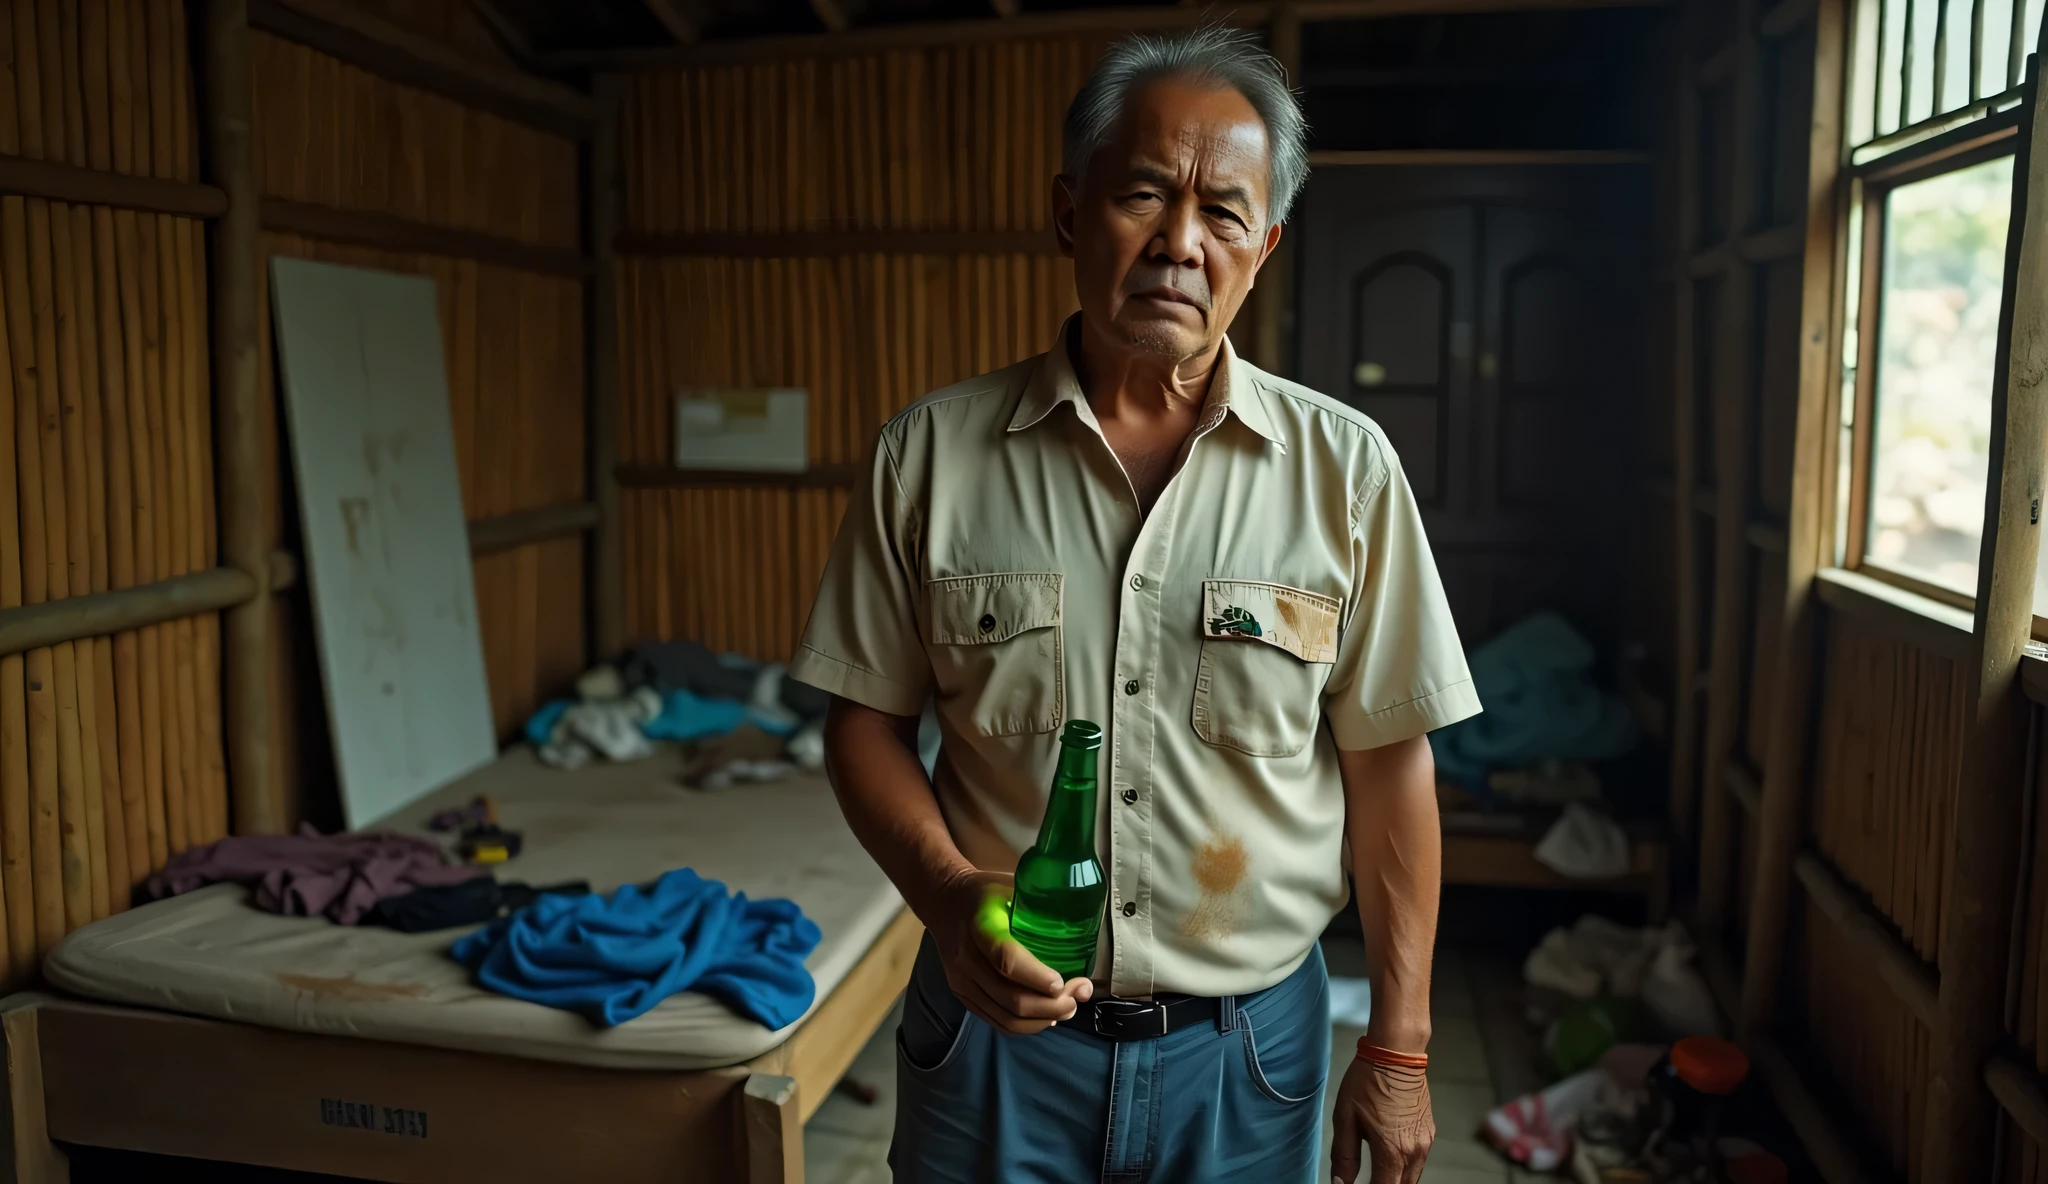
1171, 224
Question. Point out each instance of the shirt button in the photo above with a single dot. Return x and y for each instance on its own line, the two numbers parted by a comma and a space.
988, 622
1130, 908
1137, 583
1131, 687
1130, 796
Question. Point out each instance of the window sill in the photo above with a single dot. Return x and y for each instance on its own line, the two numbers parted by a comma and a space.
1920, 621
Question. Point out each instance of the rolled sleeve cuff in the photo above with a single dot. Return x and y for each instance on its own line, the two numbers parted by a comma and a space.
865, 687
1356, 729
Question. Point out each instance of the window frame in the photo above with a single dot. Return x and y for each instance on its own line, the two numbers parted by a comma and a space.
1981, 139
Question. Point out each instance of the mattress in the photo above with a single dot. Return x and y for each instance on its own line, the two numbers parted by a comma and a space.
210, 953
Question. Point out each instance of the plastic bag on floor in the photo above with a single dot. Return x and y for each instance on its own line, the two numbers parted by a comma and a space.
1597, 956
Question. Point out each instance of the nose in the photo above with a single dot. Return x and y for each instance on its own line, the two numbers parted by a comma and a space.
1178, 238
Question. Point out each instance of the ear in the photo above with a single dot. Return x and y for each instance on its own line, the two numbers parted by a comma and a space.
1063, 202
1265, 253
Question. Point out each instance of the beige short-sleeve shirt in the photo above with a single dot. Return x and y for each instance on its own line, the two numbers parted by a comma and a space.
1278, 602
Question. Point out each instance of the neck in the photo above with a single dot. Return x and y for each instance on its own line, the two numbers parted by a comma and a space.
1123, 384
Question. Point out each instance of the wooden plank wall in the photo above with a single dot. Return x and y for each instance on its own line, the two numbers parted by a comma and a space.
333, 136
790, 155
110, 748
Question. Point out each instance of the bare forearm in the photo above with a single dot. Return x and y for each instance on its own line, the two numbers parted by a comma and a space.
888, 801
1397, 867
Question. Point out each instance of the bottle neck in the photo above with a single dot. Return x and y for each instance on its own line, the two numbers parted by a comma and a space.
1069, 827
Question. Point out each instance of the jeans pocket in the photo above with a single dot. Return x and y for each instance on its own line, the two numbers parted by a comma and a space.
1301, 1076
934, 1020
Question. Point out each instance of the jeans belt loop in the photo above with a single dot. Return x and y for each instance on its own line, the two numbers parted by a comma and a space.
1226, 1014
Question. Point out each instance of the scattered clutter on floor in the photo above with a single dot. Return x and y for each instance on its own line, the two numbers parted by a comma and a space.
613, 957
746, 721
1642, 1077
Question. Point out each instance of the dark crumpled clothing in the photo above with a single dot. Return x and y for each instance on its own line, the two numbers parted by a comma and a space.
468, 903
340, 877
692, 666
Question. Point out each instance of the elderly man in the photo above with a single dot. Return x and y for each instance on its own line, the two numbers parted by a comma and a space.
1086, 535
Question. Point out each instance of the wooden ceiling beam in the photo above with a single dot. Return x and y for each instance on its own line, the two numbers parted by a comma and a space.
672, 17
400, 55
879, 38
832, 14
1007, 8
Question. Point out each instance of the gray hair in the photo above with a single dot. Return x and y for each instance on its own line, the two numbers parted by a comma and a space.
1223, 57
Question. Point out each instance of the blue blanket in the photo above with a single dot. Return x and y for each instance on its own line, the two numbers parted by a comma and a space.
613, 957
1536, 682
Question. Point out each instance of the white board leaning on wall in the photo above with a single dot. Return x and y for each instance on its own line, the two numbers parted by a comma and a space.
386, 540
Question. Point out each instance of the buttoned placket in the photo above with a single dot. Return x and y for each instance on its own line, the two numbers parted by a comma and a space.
1134, 725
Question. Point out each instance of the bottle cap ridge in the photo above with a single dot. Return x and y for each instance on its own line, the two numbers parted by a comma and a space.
1080, 733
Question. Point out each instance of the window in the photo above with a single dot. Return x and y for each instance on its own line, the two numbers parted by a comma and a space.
1932, 105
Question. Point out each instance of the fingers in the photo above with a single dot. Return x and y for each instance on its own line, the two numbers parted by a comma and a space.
1080, 989
1011, 960
976, 998
1388, 1164
1416, 1159
1344, 1144
1021, 1003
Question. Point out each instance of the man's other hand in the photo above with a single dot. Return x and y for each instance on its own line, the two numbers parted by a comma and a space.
990, 971
1387, 1108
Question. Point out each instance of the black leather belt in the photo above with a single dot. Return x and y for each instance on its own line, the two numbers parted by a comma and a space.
1143, 1019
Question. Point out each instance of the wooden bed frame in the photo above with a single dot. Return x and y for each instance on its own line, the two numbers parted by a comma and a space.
136, 1079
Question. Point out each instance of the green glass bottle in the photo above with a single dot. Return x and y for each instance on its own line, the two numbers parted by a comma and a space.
1056, 901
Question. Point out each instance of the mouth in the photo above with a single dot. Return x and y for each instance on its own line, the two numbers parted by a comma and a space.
1165, 295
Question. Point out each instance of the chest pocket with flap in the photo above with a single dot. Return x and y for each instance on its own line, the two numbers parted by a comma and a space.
996, 647
1266, 653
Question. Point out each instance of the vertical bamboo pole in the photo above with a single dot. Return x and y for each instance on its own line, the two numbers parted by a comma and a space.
238, 416
83, 473
1985, 845
1780, 821
62, 866
1685, 454
121, 736
1734, 357
602, 344
24, 680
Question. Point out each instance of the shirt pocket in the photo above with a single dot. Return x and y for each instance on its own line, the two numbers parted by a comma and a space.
996, 646
1266, 653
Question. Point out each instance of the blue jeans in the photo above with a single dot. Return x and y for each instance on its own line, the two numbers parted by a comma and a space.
1240, 1099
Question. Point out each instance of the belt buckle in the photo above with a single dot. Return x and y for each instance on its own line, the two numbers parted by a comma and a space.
1129, 1019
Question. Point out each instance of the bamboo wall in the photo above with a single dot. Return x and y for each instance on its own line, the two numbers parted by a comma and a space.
1887, 763
110, 748
332, 135
948, 139
2025, 1160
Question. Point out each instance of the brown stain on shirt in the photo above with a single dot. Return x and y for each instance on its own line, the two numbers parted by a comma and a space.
1219, 867
350, 989
1313, 624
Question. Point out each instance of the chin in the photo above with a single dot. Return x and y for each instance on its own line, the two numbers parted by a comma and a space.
1164, 339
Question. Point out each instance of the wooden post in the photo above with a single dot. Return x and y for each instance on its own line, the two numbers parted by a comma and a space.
30, 1156
1685, 716
607, 564
1984, 852
238, 417
773, 1130
1273, 307
1785, 760
1734, 359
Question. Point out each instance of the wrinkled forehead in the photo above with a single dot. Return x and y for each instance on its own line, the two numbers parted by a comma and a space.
1206, 135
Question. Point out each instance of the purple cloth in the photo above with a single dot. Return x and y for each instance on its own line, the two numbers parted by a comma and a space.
341, 877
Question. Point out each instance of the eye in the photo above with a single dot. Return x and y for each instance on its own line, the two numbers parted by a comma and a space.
1225, 213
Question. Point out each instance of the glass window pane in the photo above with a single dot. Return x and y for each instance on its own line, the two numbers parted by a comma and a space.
1938, 340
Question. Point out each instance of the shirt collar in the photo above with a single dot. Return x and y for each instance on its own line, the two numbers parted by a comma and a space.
1234, 390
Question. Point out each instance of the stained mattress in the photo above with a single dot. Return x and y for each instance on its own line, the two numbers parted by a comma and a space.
210, 953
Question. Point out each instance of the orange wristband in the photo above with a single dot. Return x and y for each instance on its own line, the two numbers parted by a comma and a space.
1387, 1056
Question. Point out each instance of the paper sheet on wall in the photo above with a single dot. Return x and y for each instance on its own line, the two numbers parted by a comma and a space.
386, 539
